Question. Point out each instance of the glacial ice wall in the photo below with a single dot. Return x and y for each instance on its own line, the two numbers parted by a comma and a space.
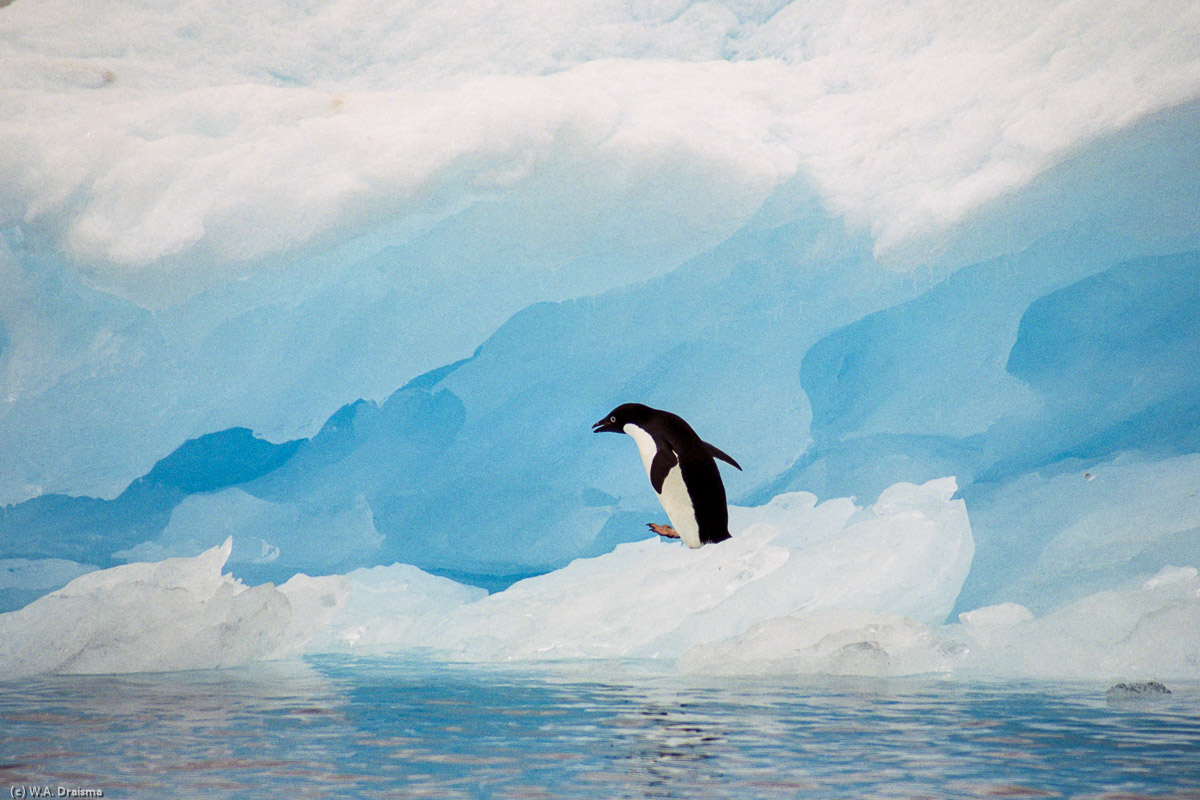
909, 393
183, 180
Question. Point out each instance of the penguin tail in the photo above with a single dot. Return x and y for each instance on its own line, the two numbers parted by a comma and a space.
716, 452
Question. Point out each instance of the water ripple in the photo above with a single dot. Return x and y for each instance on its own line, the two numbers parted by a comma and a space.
379, 728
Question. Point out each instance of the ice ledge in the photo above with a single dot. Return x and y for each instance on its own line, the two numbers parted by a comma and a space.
908, 554
177, 614
803, 587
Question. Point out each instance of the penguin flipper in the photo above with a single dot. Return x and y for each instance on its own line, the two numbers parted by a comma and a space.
721, 454
663, 461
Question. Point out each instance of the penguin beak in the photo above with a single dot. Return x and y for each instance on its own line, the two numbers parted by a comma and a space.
604, 426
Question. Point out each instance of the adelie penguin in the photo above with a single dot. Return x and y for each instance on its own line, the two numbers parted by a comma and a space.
682, 471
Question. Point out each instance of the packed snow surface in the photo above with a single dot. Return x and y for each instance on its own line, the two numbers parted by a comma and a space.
803, 587
177, 614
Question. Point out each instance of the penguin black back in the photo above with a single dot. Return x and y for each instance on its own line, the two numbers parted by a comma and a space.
681, 467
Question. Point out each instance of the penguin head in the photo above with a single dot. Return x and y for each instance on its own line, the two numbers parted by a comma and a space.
621, 416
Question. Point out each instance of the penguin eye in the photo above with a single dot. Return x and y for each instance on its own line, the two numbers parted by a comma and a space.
613, 418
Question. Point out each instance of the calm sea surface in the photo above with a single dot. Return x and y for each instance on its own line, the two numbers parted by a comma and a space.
347, 727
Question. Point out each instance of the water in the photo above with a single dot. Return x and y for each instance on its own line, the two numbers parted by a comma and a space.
385, 728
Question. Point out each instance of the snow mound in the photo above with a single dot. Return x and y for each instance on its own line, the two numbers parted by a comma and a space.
827, 642
177, 614
907, 554
1146, 632
802, 588
1149, 631
387, 604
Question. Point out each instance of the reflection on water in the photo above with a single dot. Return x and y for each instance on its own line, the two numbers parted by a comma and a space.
380, 728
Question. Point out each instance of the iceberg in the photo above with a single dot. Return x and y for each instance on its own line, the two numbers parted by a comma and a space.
483, 469
386, 608
176, 614
347, 282
351, 192
908, 554
1151, 630
803, 588
1144, 632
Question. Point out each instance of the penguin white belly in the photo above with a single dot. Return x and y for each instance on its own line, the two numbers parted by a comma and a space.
674, 497
678, 504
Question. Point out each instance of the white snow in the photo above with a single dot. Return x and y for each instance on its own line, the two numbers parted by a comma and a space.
1152, 631
1149, 632
907, 117
177, 614
805, 588
387, 605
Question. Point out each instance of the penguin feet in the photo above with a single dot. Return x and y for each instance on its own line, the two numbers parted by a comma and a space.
663, 530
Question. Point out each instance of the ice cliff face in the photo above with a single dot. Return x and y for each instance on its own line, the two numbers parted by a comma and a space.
486, 470
387, 184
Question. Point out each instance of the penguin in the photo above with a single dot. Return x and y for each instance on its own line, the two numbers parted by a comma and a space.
682, 471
